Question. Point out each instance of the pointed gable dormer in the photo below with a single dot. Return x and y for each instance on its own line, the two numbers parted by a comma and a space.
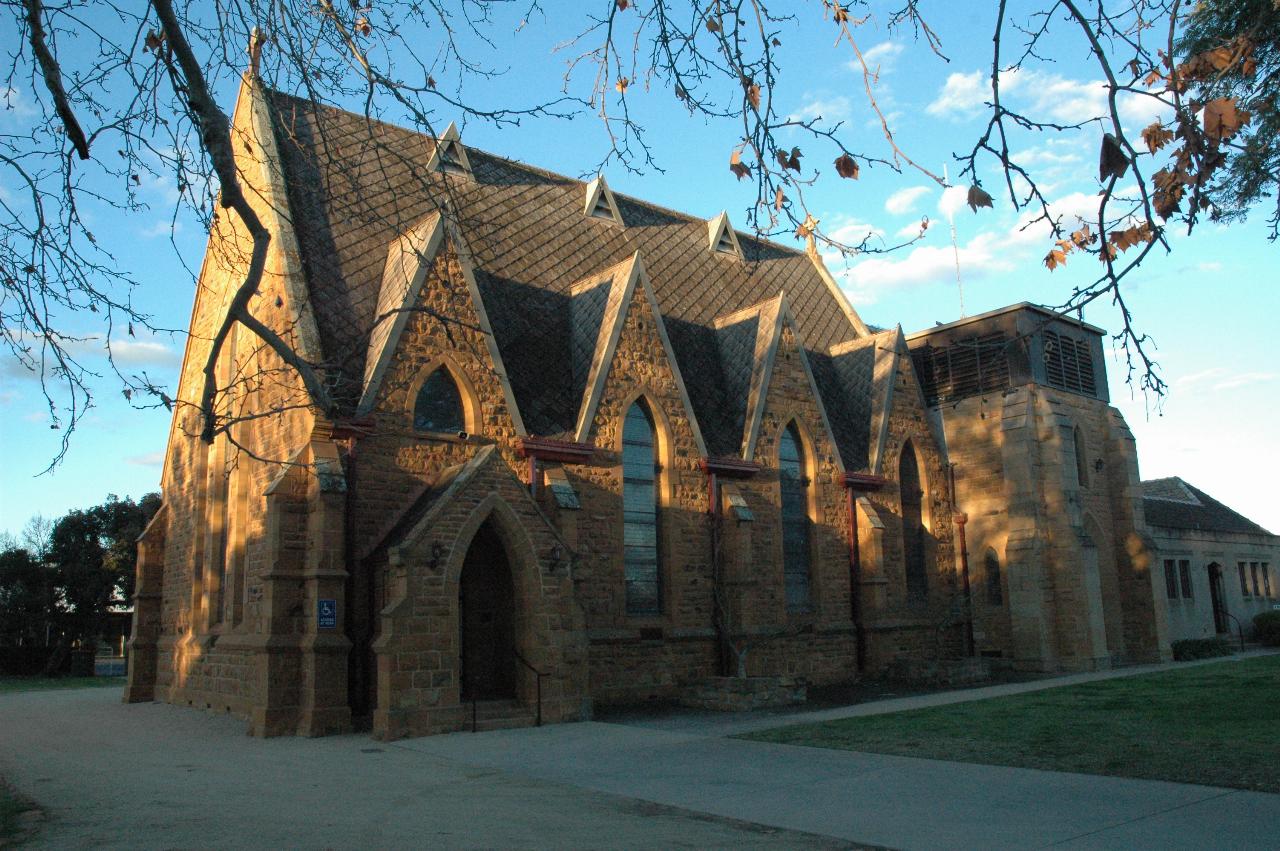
723, 239
600, 204
450, 156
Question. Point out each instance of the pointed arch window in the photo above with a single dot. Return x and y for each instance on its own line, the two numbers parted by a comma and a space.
995, 591
1082, 460
913, 531
794, 482
641, 557
439, 404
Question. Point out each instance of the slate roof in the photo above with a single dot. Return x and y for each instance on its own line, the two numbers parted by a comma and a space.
356, 186
1176, 504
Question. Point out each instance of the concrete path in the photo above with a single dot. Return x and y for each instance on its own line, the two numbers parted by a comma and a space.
872, 798
156, 776
160, 776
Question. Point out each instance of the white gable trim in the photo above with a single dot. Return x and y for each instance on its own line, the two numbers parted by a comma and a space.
486, 328
408, 260
600, 204
722, 239
760, 391
450, 155
610, 332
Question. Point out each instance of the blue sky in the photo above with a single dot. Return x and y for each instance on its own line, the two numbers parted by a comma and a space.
1209, 306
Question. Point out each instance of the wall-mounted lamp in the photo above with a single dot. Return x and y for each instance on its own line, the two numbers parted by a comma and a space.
437, 553
1098, 465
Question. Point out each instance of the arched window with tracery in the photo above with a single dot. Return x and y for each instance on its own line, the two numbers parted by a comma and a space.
641, 556
995, 591
913, 530
793, 481
438, 406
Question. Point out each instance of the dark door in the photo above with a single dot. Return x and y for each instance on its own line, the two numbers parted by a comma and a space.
1216, 599
486, 630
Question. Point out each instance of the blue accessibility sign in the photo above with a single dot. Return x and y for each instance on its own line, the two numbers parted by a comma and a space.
328, 614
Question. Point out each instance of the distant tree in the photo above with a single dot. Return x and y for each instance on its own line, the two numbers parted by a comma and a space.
27, 597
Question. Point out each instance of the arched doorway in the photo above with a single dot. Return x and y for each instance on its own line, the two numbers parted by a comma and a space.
486, 620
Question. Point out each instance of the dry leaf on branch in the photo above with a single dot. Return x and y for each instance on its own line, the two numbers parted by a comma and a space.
738, 167
1222, 119
1111, 160
807, 228
1156, 136
978, 197
791, 161
753, 95
779, 199
623, 4
363, 26
621, 85
713, 25
847, 166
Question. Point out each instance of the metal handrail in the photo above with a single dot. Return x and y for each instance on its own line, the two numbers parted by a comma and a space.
538, 675
1239, 626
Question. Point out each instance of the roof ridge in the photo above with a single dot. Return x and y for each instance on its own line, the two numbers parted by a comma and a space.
538, 170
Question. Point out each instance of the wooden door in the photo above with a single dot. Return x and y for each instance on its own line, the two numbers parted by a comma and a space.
486, 608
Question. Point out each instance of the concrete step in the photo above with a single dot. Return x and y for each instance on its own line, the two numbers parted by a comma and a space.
500, 715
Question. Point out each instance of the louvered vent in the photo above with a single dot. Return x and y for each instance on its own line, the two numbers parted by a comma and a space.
967, 367
450, 161
726, 244
601, 209
1068, 364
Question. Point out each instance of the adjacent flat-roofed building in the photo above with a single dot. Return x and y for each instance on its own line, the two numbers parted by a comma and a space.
1218, 567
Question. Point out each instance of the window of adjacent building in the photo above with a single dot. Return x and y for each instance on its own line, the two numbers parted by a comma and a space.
439, 404
1244, 579
1082, 461
913, 530
794, 485
1171, 578
1253, 570
1266, 578
640, 512
995, 591
1184, 569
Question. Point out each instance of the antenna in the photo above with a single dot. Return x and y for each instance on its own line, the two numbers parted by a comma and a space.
955, 249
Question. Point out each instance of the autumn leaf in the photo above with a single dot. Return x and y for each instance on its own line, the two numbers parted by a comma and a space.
978, 197
1054, 259
1111, 160
431, 82
1156, 136
775, 42
713, 25
623, 4
1222, 119
153, 41
363, 26
807, 228
847, 166
753, 95
791, 161
841, 14
621, 85
779, 199
737, 166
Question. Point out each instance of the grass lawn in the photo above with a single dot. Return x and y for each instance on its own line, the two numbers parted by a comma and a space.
1214, 724
11, 822
14, 684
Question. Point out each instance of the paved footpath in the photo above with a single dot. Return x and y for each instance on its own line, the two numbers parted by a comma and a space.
161, 776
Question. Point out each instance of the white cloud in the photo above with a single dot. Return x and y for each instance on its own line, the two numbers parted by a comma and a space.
908, 231
961, 95
953, 199
904, 200
836, 108
161, 227
151, 459
880, 58
1244, 379
143, 353
1210, 266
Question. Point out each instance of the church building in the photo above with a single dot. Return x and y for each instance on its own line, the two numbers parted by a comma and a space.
587, 450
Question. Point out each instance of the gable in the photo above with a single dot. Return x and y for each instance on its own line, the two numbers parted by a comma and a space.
355, 186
